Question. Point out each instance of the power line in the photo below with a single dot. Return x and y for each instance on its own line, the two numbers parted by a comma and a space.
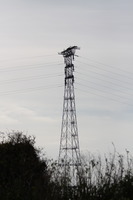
103, 96
25, 67
28, 57
105, 86
125, 84
97, 67
28, 78
106, 92
106, 76
106, 65
105, 81
33, 89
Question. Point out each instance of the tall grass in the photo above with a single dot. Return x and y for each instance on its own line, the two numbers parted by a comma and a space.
103, 178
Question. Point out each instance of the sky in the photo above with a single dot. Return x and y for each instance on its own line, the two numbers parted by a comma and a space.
32, 33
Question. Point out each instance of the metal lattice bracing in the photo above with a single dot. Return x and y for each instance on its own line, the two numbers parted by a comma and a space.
69, 152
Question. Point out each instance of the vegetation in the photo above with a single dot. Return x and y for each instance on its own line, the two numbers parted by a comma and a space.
26, 175
23, 175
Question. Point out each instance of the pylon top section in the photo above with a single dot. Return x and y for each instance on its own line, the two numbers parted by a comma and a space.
69, 52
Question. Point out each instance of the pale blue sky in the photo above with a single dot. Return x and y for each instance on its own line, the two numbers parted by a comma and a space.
31, 35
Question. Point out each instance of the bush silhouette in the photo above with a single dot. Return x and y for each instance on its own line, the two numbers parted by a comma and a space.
23, 175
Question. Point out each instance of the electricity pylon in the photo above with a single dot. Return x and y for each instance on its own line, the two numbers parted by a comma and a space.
69, 160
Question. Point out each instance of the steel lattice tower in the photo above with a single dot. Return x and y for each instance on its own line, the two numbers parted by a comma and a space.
69, 152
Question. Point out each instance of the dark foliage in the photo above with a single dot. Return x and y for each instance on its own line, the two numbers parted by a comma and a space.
23, 175
108, 178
